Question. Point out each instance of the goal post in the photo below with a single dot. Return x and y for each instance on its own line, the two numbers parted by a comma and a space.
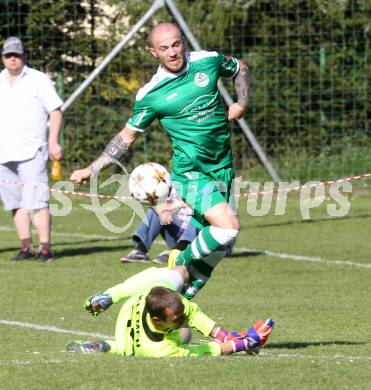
157, 4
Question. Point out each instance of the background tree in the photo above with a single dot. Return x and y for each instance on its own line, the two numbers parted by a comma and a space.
309, 62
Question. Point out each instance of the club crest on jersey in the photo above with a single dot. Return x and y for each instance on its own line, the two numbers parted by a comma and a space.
201, 79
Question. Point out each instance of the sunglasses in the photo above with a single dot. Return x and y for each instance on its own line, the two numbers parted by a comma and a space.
10, 55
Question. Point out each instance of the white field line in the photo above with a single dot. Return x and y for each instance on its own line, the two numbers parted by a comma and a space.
263, 354
65, 234
264, 252
281, 356
241, 249
51, 329
17, 362
314, 358
280, 255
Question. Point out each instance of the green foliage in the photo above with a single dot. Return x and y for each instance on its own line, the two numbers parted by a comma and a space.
309, 62
52, 32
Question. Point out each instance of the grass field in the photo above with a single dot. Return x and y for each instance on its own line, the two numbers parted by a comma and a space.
313, 277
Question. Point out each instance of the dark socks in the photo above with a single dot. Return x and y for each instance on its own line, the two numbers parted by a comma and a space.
138, 245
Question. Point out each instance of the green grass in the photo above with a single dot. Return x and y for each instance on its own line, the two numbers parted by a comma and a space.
322, 310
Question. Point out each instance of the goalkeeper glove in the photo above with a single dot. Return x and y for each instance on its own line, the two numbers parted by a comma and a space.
256, 336
98, 303
222, 335
262, 329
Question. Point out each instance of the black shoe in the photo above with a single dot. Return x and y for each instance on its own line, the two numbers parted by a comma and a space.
24, 254
162, 257
45, 255
135, 256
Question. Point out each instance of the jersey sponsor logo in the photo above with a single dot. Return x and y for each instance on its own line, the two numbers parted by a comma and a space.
201, 79
172, 96
201, 109
137, 312
201, 103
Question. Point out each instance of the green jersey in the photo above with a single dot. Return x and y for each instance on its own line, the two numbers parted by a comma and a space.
189, 108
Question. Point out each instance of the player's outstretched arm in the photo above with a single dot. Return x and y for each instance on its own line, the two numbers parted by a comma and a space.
114, 150
242, 86
98, 303
249, 341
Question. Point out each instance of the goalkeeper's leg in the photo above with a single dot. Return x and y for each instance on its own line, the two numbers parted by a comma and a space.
173, 279
170, 278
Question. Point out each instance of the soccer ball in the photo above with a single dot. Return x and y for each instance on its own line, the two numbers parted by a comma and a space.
149, 182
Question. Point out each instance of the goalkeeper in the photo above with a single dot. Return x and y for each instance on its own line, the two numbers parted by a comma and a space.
155, 320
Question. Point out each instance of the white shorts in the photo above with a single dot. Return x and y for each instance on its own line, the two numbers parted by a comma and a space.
32, 191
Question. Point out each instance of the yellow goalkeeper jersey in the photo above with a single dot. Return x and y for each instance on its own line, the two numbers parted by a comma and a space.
136, 335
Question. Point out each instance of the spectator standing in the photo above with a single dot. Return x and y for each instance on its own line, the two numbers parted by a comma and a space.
28, 100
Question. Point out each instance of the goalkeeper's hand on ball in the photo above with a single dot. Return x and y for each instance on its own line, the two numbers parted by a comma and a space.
98, 303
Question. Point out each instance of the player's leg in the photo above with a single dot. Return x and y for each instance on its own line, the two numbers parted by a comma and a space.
222, 231
200, 272
173, 279
220, 226
209, 196
180, 241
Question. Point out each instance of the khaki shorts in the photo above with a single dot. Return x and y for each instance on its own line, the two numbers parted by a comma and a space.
202, 191
32, 191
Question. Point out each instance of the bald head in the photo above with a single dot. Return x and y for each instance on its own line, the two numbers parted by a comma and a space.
167, 45
163, 29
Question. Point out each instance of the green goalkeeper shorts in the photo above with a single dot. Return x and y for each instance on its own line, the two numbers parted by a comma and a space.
202, 191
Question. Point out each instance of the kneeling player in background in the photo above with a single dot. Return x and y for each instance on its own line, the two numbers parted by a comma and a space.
155, 321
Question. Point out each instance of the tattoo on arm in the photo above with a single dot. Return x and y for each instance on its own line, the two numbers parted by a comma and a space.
115, 149
242, 86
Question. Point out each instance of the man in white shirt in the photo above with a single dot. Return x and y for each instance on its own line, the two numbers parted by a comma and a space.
27, 100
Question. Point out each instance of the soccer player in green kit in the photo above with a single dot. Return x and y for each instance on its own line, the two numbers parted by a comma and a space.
154, 319
183, 95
